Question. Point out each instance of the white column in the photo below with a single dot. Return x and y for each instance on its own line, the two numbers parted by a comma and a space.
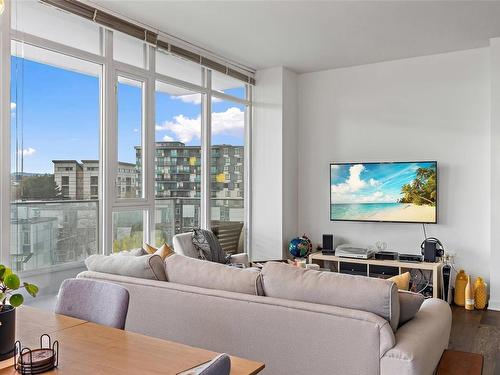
274, 163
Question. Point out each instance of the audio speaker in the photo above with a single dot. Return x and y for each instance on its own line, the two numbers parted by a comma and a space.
328, 242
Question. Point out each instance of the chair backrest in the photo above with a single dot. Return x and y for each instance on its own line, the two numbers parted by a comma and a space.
228, 234
220, 365
183, 245
94, 301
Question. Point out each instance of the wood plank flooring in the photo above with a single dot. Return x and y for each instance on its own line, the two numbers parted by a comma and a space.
477, 332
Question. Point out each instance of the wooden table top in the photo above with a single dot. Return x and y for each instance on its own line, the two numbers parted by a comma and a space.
89, 348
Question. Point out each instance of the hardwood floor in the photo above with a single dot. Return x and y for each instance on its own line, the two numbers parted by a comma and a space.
478, 332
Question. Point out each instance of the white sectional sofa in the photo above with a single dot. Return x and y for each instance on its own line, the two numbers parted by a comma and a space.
296, 323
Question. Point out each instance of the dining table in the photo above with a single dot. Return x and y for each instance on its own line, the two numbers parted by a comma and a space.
90, 348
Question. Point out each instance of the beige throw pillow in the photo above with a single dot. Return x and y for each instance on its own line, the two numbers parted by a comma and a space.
163, 251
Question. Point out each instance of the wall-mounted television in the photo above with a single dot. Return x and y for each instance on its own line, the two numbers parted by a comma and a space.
404, 192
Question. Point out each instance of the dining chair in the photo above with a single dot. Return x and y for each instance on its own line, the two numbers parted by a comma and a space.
220, 365
94, 301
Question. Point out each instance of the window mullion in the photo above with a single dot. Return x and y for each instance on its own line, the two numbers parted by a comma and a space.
206, 126
150, 147
5, 135
247, 160
108, 145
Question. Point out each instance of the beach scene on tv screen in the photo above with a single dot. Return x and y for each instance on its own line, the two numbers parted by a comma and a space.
404, 192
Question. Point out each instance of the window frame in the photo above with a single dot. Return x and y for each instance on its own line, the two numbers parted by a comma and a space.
108, 153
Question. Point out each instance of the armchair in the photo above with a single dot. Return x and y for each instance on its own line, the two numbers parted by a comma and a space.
183, 245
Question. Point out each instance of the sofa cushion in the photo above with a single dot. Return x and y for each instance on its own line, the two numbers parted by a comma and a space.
409, 304
377, 296
144, 267
210, 275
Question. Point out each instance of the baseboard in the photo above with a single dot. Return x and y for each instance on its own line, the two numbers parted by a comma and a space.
494, 305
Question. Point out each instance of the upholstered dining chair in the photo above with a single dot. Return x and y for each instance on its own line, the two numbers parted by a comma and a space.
220, 365
94, 301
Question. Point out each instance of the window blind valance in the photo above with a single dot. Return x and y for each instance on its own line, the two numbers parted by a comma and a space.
116, 23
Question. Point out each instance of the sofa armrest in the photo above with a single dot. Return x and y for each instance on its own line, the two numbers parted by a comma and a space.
240, 258
420, 342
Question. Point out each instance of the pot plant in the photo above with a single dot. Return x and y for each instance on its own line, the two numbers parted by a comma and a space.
10, 298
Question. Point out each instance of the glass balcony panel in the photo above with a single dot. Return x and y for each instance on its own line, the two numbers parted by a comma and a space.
128, 230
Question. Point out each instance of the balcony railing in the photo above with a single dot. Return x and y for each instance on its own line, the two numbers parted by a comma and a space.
54, 233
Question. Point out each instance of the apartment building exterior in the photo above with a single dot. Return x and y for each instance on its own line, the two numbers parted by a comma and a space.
80, 180
178, 184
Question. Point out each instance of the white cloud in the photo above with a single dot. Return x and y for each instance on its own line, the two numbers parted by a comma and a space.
190, 98
373, 182
353, 183
168, 138
194, 98
185, 129
232, 122
27, 151
13, 106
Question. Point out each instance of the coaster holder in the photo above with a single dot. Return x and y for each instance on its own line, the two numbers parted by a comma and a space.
26, 367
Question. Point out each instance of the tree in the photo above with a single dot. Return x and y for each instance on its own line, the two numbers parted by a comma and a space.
41, 187
422, 190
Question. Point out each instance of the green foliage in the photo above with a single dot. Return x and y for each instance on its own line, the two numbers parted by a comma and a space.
10, 282
422, 190
16, 300
39, 187
133, 241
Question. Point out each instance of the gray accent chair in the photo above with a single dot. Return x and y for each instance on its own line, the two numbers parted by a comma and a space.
98, 302
183, 245
220, 365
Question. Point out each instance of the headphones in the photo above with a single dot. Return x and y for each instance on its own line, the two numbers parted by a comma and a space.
438, 245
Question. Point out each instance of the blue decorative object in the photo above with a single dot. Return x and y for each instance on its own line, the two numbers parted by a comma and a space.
300, 247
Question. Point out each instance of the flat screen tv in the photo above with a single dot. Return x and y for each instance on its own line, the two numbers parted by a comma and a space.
404, 192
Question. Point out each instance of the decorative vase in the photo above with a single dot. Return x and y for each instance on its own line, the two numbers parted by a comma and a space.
460, 284
7, 332
480, 294
469, 295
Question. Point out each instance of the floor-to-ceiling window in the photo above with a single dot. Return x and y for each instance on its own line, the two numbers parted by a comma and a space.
177, 161
114, 142
227, 167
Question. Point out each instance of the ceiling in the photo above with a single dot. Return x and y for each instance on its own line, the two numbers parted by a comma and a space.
308, 36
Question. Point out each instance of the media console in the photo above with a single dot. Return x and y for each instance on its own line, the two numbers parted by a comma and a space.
382, 269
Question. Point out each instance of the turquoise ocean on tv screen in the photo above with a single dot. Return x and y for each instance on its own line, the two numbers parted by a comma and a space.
354, 211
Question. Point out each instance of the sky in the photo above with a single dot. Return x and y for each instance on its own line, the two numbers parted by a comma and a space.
371, 183
55, 115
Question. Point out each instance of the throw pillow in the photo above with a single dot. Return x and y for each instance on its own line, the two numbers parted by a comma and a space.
409, 304
145, 267
163, 251
208, 246
402, 281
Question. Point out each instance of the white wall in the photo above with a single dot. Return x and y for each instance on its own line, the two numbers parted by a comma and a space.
495, 174
274, 163
426, 108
